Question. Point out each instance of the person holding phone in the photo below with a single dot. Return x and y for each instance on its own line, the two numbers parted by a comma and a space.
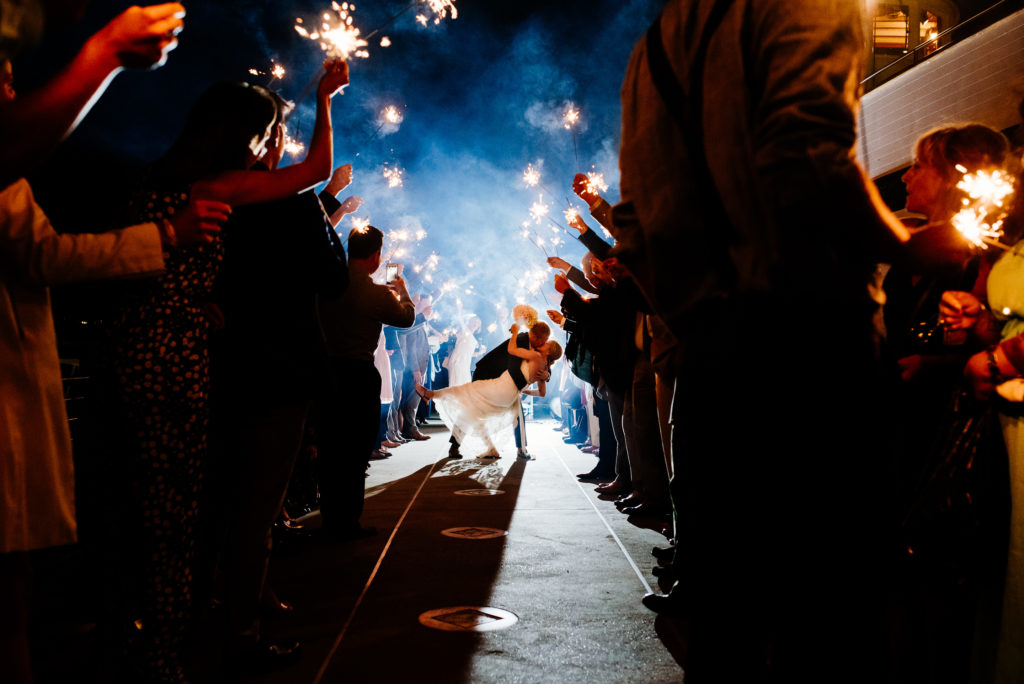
350, 411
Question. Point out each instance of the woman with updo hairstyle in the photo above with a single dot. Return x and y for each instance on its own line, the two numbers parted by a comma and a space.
924, 361
160, 352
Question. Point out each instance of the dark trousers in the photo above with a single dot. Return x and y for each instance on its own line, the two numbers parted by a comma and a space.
349, 417
262, 445
776, 483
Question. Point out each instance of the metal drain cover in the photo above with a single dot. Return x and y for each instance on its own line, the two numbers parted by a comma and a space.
468, 619
474, 532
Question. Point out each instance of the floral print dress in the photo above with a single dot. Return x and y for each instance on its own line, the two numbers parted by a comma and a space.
161, 370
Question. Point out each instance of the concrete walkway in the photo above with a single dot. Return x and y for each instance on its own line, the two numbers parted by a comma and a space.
571, 568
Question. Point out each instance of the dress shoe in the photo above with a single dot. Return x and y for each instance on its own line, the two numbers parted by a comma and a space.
453, 451
664, 572
260, 657
418, 436
629, 501
379, 454
614, 488
665, 604
595, 475
389, 444
665, 555
271, 606
644, 509
522, 453
593, 450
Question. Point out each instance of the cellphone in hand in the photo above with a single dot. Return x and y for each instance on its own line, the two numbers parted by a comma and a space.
391, 272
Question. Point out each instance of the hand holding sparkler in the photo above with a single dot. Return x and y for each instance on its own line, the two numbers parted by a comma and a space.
561, 283
197, 223
959, 310
334, 79
556, 317
559, 263
140, 37
582, 187
340, 179
577, 222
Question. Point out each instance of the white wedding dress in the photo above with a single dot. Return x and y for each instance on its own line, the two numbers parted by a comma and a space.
481, 414
461, 358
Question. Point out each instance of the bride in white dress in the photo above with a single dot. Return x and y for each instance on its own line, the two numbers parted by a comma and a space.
482, 412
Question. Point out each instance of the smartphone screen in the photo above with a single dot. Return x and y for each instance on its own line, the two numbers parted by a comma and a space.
392, 272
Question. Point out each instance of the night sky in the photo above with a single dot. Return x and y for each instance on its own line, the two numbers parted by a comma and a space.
483, 97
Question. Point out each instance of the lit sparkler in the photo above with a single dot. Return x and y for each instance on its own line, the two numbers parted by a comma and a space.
391, 115
385, 42
277, 71
337, 35
595, 183
980, 220
421, 19
360, 224
571, 117
441, 9
492, 327
539, 210
393, 176
292, 146
531, 176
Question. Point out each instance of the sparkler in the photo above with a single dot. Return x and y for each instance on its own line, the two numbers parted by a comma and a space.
292, 146
980, 220
393, 176
595, 183
569, 120
337, 35
391, 115
385, 42
539, 210
360, 224
531, 176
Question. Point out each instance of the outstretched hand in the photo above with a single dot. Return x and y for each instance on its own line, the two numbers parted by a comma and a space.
334, 79
556, 317
199, 221
350, 205
141, 37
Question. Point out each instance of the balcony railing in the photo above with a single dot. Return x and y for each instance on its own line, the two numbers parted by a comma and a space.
942, 41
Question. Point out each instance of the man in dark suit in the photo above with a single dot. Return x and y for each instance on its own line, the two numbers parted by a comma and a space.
497, 361
267, 364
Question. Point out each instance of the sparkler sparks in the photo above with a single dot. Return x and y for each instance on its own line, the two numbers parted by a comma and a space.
531, 176
421, 19
277, 71
980, 220
391, 115
441, 9
538, 210
292, 146
385, 42
360, 224
571, 117
393, 176
571, 214
337, 36
595, 183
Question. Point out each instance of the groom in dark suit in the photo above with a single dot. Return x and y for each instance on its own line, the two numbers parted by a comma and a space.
497, 361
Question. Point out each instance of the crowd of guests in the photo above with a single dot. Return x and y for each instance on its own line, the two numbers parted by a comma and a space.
818, 399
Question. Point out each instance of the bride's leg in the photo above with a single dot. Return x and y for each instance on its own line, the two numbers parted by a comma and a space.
424, 392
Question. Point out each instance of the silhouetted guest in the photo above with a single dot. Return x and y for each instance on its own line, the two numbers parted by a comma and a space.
753, 234
350, 411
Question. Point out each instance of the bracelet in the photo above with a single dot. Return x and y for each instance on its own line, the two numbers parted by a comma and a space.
993, 367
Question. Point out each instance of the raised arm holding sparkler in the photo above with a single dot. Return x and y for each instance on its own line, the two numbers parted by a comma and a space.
33, 125
241, 187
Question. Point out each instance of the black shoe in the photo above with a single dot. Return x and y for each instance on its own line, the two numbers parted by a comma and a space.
595, 476
261, 657
664, 604
453, 451
643, 509
628, 501
665, 573
665, 555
